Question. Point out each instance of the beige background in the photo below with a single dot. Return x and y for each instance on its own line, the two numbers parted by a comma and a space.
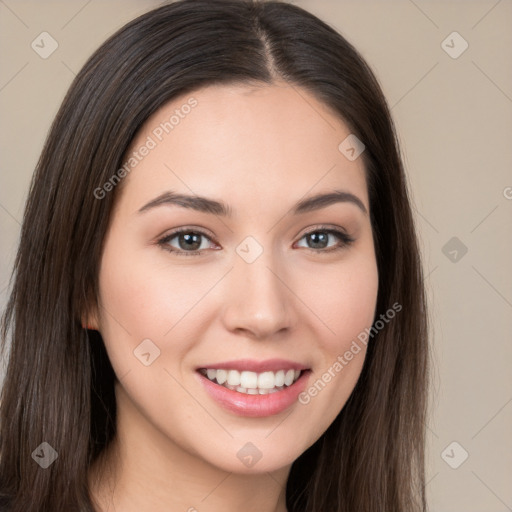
454, 118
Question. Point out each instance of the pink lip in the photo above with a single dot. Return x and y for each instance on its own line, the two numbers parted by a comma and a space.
255, 405
270, 365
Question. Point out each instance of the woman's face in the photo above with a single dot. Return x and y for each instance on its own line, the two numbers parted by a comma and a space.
256, 286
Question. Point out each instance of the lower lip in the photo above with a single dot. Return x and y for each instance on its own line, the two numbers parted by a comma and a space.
255, 406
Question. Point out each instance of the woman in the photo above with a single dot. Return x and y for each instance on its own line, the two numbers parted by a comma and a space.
284, 366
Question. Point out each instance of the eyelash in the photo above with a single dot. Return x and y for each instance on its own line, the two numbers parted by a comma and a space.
346, 240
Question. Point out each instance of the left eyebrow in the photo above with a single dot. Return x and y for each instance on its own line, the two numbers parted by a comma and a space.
206, 205
323, 200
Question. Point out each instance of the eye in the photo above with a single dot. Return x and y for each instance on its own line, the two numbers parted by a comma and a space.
189, 242
319, 239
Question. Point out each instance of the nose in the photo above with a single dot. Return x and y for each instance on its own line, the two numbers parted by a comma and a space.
258, 301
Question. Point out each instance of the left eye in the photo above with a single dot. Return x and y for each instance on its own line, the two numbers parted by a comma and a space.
320, 239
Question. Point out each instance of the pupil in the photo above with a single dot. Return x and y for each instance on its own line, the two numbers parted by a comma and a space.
192, 241
319, 238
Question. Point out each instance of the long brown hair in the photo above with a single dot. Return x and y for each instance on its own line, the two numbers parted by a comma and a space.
59, 384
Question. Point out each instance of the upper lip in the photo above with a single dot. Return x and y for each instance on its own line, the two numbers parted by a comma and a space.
251, 365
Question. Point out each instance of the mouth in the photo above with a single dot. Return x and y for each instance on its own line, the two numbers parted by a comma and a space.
254, 392
252, 383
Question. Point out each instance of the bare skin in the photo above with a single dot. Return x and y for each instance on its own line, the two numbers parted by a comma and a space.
260, 150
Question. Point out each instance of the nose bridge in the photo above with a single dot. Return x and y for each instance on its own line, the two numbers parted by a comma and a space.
259, 301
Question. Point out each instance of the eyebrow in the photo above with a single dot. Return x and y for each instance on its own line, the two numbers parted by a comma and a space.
206, 205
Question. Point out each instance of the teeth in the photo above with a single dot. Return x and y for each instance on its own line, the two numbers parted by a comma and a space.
233, 378
289, 377
279, 379
222, 375
266, 380
252, 383
249, 379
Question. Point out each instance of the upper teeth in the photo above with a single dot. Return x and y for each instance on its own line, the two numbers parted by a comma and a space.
252, 380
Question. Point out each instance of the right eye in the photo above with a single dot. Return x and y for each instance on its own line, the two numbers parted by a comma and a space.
189, 242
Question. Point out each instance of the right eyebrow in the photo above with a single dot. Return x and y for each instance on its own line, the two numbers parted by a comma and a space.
199, 203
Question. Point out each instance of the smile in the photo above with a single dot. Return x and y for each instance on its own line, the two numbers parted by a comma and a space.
252, 383
254, 388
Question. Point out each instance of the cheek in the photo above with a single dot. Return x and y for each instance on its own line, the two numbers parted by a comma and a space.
144, 297
343, 297
137, 303
345, 301
351, 306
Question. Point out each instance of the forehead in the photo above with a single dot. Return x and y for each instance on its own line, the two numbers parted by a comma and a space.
232, 141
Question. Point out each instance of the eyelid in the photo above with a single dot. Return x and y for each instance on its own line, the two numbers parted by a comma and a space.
322, 227
195, 229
